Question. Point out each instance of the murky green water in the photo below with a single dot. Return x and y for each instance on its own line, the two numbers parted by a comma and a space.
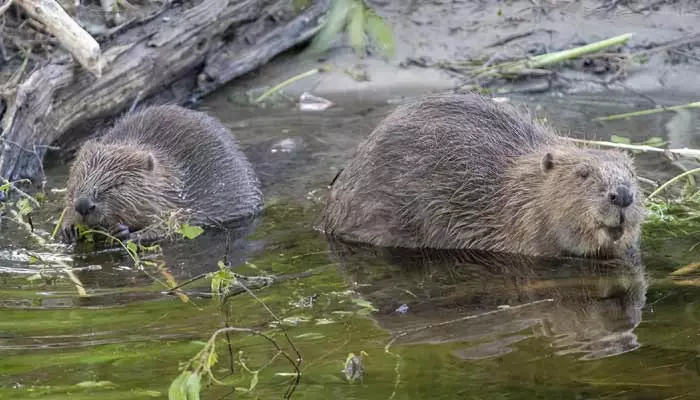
468, 327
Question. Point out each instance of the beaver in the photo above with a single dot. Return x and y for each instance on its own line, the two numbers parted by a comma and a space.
458, 171
158, 161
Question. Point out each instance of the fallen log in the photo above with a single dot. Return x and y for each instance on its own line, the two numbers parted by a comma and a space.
180, 53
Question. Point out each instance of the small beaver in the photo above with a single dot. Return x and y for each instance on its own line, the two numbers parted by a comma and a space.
461, 171
156, 161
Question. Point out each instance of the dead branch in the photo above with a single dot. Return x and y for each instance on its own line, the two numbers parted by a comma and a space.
72, 36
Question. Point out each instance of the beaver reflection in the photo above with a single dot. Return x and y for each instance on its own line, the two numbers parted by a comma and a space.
495, 300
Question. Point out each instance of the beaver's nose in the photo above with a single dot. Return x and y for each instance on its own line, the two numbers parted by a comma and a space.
84, 206
622, 197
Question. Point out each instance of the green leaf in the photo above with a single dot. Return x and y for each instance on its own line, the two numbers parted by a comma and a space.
132, 247
83, 233
655, 142
190, 232
381, 33
177, 387
24, 206
40, 197
193, 387
253, 381
154, 248
356, 28
333, 26
620, 139
212, 359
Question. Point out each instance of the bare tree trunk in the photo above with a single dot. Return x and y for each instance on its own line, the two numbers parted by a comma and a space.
173, 56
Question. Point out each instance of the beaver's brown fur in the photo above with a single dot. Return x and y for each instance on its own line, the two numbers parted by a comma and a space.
461, 171
156, 161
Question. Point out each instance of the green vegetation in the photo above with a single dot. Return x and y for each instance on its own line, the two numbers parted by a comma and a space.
360, 23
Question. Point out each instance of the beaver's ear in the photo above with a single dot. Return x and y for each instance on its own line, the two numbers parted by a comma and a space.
147, 160
150, 162
547, 162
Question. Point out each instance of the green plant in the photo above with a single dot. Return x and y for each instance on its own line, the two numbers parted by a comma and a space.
360, 22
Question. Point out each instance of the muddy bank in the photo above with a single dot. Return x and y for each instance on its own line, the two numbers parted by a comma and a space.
435, 38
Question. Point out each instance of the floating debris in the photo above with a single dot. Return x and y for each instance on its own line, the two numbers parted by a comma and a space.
354, 368
403, 309
309, 102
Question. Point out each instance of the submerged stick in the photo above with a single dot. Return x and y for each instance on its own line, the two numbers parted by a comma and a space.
69, 33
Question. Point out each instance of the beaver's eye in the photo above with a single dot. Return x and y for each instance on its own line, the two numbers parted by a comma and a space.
116, 185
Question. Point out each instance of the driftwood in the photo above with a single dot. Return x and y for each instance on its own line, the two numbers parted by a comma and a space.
77, 41
180, 53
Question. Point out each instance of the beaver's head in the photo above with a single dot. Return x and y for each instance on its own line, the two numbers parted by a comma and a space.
593, 199
109, 184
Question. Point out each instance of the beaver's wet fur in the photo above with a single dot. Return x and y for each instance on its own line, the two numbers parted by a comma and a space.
461, 171
155, 161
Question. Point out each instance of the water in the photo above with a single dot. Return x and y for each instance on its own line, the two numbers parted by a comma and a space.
569, 330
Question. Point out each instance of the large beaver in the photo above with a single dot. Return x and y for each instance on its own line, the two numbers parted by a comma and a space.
156, 161
461, 171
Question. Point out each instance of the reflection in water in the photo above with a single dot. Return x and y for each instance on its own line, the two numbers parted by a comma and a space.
495, 300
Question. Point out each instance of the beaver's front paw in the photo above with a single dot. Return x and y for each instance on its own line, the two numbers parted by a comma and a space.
121, 232
68, 233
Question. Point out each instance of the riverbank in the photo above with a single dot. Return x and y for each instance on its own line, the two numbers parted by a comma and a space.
434, 39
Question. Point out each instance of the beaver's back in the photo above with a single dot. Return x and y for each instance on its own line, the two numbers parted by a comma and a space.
419, 158
218, 180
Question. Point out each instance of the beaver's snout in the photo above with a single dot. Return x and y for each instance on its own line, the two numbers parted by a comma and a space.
622, 196
84, 206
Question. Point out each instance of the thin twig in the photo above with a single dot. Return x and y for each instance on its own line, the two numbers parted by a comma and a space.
291, 390
21, 192
136, 101
681, 152
668, 45
647, 112
273, 316
671, 181
178, 287
289, 82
